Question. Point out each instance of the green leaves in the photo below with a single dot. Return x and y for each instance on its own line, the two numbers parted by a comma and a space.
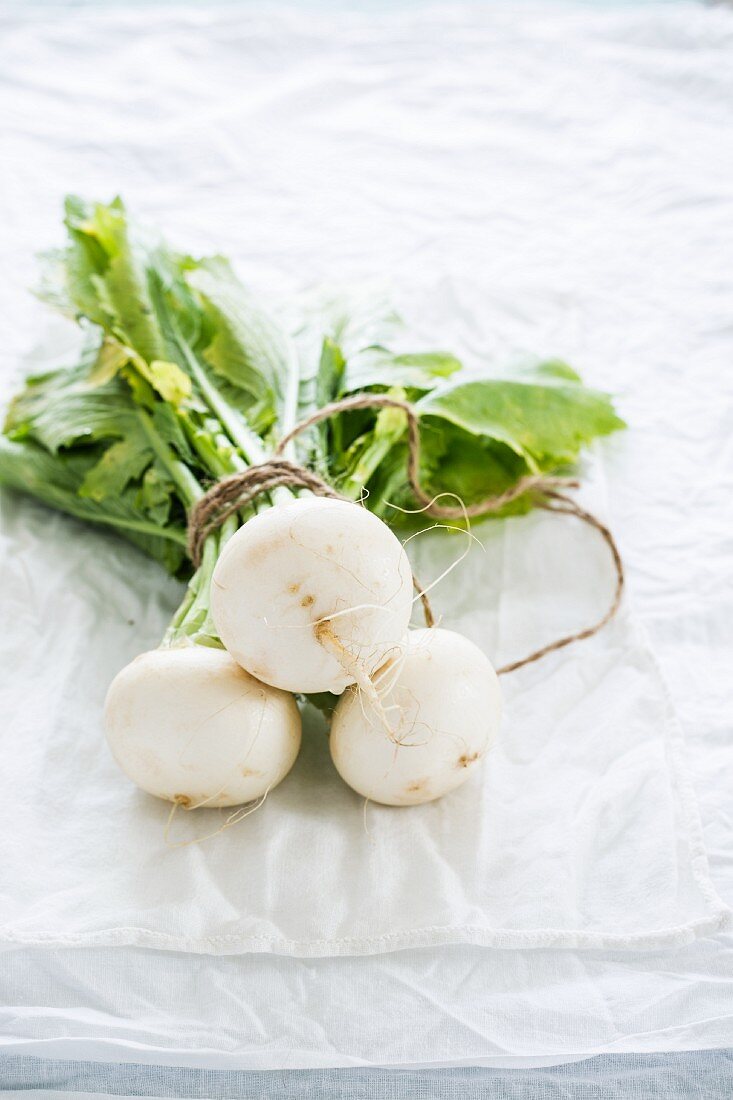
479, 436
69, 406
468, 466
179, 329
186, 379
55, 479
156, 495
78, 439
546, 421
243, 344
330, 377
376, 366
108, 274
163, 377
120, 464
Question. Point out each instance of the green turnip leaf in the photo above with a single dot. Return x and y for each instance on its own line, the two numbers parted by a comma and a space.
546, 422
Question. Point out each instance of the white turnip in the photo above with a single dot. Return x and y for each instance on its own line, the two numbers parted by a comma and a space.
187, 724
312, 595
443, 704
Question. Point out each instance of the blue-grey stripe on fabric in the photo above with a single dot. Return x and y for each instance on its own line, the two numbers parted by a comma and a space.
707, 1075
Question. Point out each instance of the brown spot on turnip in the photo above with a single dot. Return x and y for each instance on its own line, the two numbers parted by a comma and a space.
307, 601
416, 787
247, 772
258, 553
293, 589
467, 759
182, 800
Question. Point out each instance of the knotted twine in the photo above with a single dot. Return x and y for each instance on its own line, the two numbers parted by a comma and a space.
236, 491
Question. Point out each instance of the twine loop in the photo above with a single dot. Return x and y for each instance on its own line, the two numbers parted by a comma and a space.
237, 491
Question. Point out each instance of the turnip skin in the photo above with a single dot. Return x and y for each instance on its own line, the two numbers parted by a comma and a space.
285, 582
188, 725
444, 706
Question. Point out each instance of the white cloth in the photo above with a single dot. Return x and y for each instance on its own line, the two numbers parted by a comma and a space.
524, 182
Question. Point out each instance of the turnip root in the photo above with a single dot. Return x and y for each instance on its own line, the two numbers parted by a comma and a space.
443, 703
187, 724
312, 595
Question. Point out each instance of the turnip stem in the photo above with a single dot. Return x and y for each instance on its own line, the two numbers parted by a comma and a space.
289, 415
185, 481
205, 445
192, 621
241, 435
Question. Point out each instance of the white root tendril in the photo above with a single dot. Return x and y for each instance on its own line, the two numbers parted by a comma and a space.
440, 527
351, 664
328, 618
392, 666
232, 819
369, 686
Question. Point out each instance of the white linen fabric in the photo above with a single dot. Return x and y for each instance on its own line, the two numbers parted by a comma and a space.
522, 203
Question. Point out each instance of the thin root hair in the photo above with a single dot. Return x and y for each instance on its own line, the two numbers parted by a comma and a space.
233, 819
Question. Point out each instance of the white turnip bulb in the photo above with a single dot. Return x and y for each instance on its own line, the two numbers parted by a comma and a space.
442, 702
189, 725
312, 595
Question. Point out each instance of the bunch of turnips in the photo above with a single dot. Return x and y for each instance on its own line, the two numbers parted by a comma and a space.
183, 381
308, 597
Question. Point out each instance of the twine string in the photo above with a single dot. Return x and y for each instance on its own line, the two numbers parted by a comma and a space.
237, 491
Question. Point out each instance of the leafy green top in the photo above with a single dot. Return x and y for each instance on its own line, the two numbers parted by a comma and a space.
185, 378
